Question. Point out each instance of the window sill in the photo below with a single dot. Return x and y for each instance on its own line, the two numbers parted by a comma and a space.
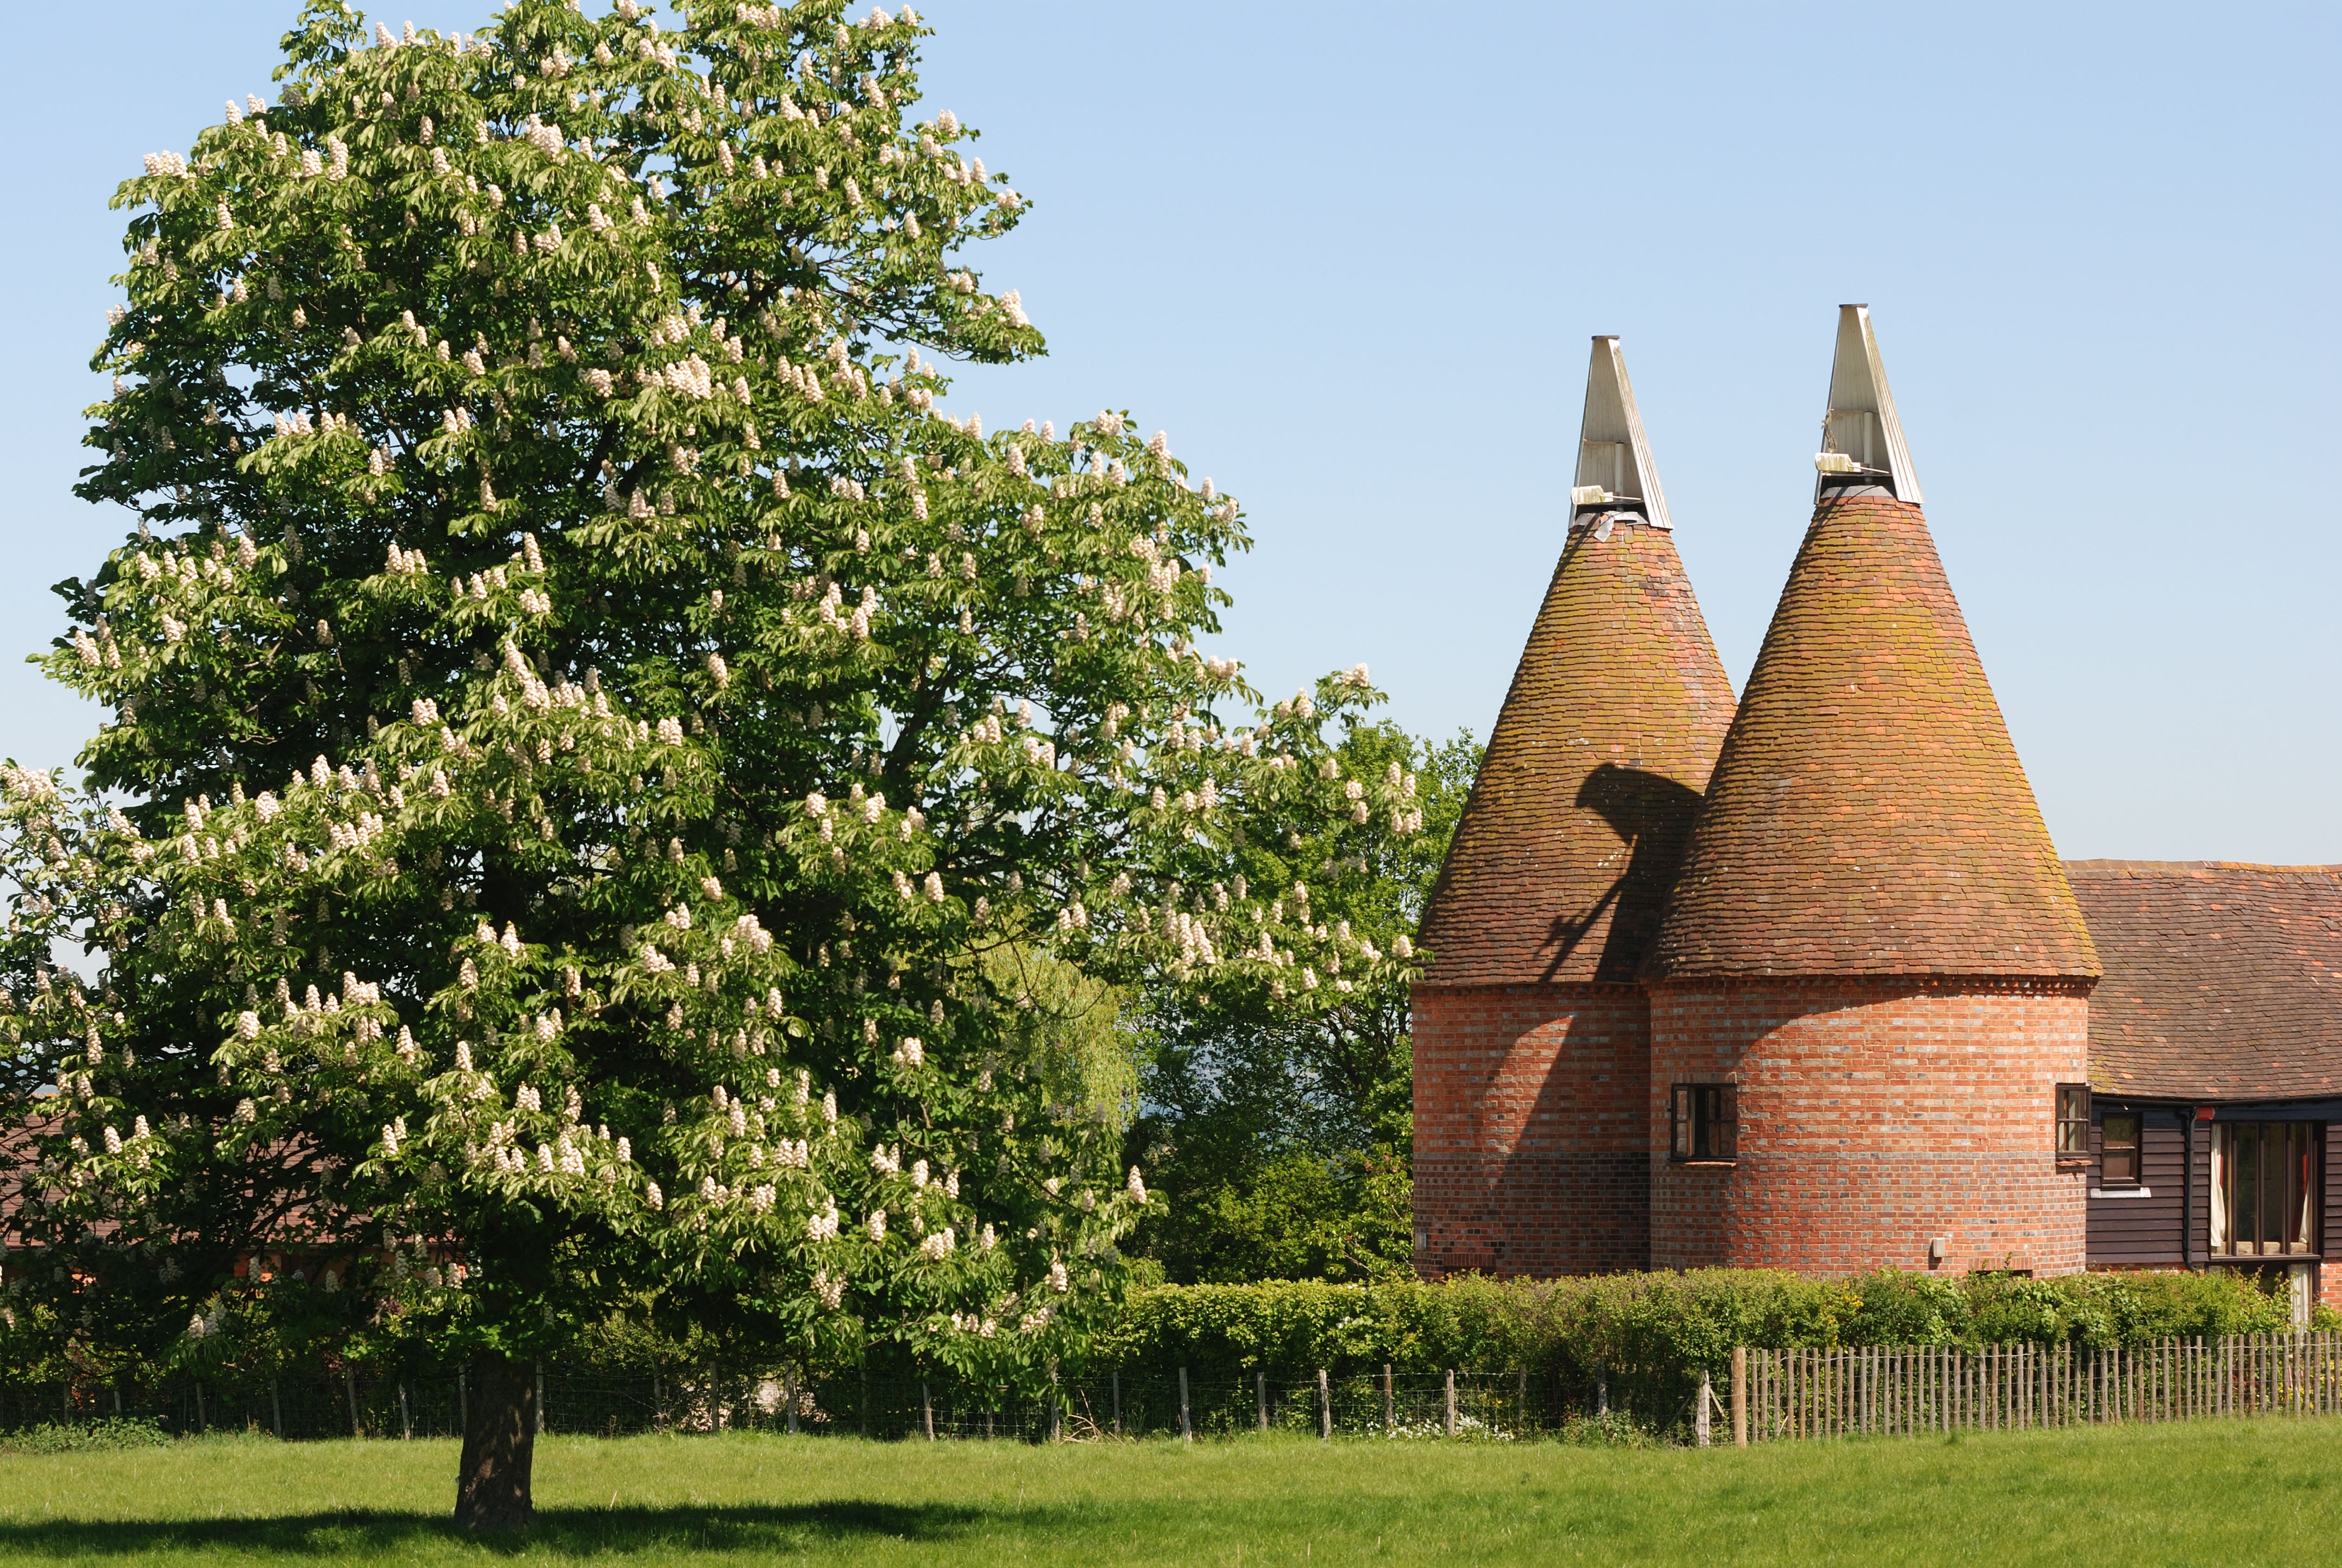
1704, 1164
2121, 1192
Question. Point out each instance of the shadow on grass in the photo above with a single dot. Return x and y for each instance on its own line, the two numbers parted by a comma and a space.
700, 1528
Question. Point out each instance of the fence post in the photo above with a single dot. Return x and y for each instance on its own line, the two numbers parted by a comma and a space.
203, 1422
1740, 1396
540, 1395
349, 1387
463, 1398
1117, 1402
1700, 1421
1451, 1401
926, 1409
1260, 1397
1186, 1431
1387, 1396
1601, 1389
789, 1395
405, 1416
276, 1408
1052, 1404
1324, 1409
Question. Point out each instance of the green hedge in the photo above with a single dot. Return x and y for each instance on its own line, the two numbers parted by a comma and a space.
1661, 1323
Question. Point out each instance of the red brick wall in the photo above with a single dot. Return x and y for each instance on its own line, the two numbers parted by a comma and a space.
1531, 1152
1875, 1114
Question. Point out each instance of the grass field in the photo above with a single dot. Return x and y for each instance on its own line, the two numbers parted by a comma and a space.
2230, 1492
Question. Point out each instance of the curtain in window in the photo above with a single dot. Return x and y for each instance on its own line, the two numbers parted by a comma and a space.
2302, 1164
2220, 1195
2265, 1186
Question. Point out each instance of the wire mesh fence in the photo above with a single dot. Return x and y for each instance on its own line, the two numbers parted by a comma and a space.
1769, 1396
1173, 1402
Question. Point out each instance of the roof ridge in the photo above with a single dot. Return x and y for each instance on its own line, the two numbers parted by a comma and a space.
2103, 866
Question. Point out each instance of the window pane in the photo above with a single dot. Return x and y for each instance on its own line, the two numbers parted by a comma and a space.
2244, 1180
1678, 1134
2273, 1173
2073, 1119
2119, 1152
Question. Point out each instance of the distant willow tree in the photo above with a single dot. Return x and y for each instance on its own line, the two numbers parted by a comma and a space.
593, 749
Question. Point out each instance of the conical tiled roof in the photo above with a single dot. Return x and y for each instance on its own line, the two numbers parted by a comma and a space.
1868, 814
1560, 866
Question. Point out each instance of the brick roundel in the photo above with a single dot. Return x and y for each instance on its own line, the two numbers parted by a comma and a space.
1575, 827
1876, 1116
1867, 815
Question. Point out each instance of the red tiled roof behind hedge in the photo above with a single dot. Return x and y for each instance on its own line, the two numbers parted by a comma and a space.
2222, 981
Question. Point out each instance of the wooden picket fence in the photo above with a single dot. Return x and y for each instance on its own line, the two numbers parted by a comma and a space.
1783, 1395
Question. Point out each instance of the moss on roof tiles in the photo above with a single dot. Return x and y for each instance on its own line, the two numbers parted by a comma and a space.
1560, 864
1868, 814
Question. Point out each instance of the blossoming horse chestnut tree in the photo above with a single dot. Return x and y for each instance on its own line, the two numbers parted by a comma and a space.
584, 726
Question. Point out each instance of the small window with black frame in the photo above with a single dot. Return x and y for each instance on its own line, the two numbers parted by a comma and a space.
2119, 1148
2073, 1123
1706, 1122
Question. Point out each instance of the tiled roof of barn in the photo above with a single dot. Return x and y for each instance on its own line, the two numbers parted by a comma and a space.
1559, 867
2222, 981
1868, 815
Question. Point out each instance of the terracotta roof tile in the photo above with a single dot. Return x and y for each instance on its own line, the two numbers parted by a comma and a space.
1868, 814
2223, 981
1560, 864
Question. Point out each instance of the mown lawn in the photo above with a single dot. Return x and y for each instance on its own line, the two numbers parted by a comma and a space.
2228, 1493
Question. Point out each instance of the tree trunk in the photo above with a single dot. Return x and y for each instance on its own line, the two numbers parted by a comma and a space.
492, 1489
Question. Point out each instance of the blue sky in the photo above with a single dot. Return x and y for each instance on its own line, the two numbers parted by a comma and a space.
1350, 256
